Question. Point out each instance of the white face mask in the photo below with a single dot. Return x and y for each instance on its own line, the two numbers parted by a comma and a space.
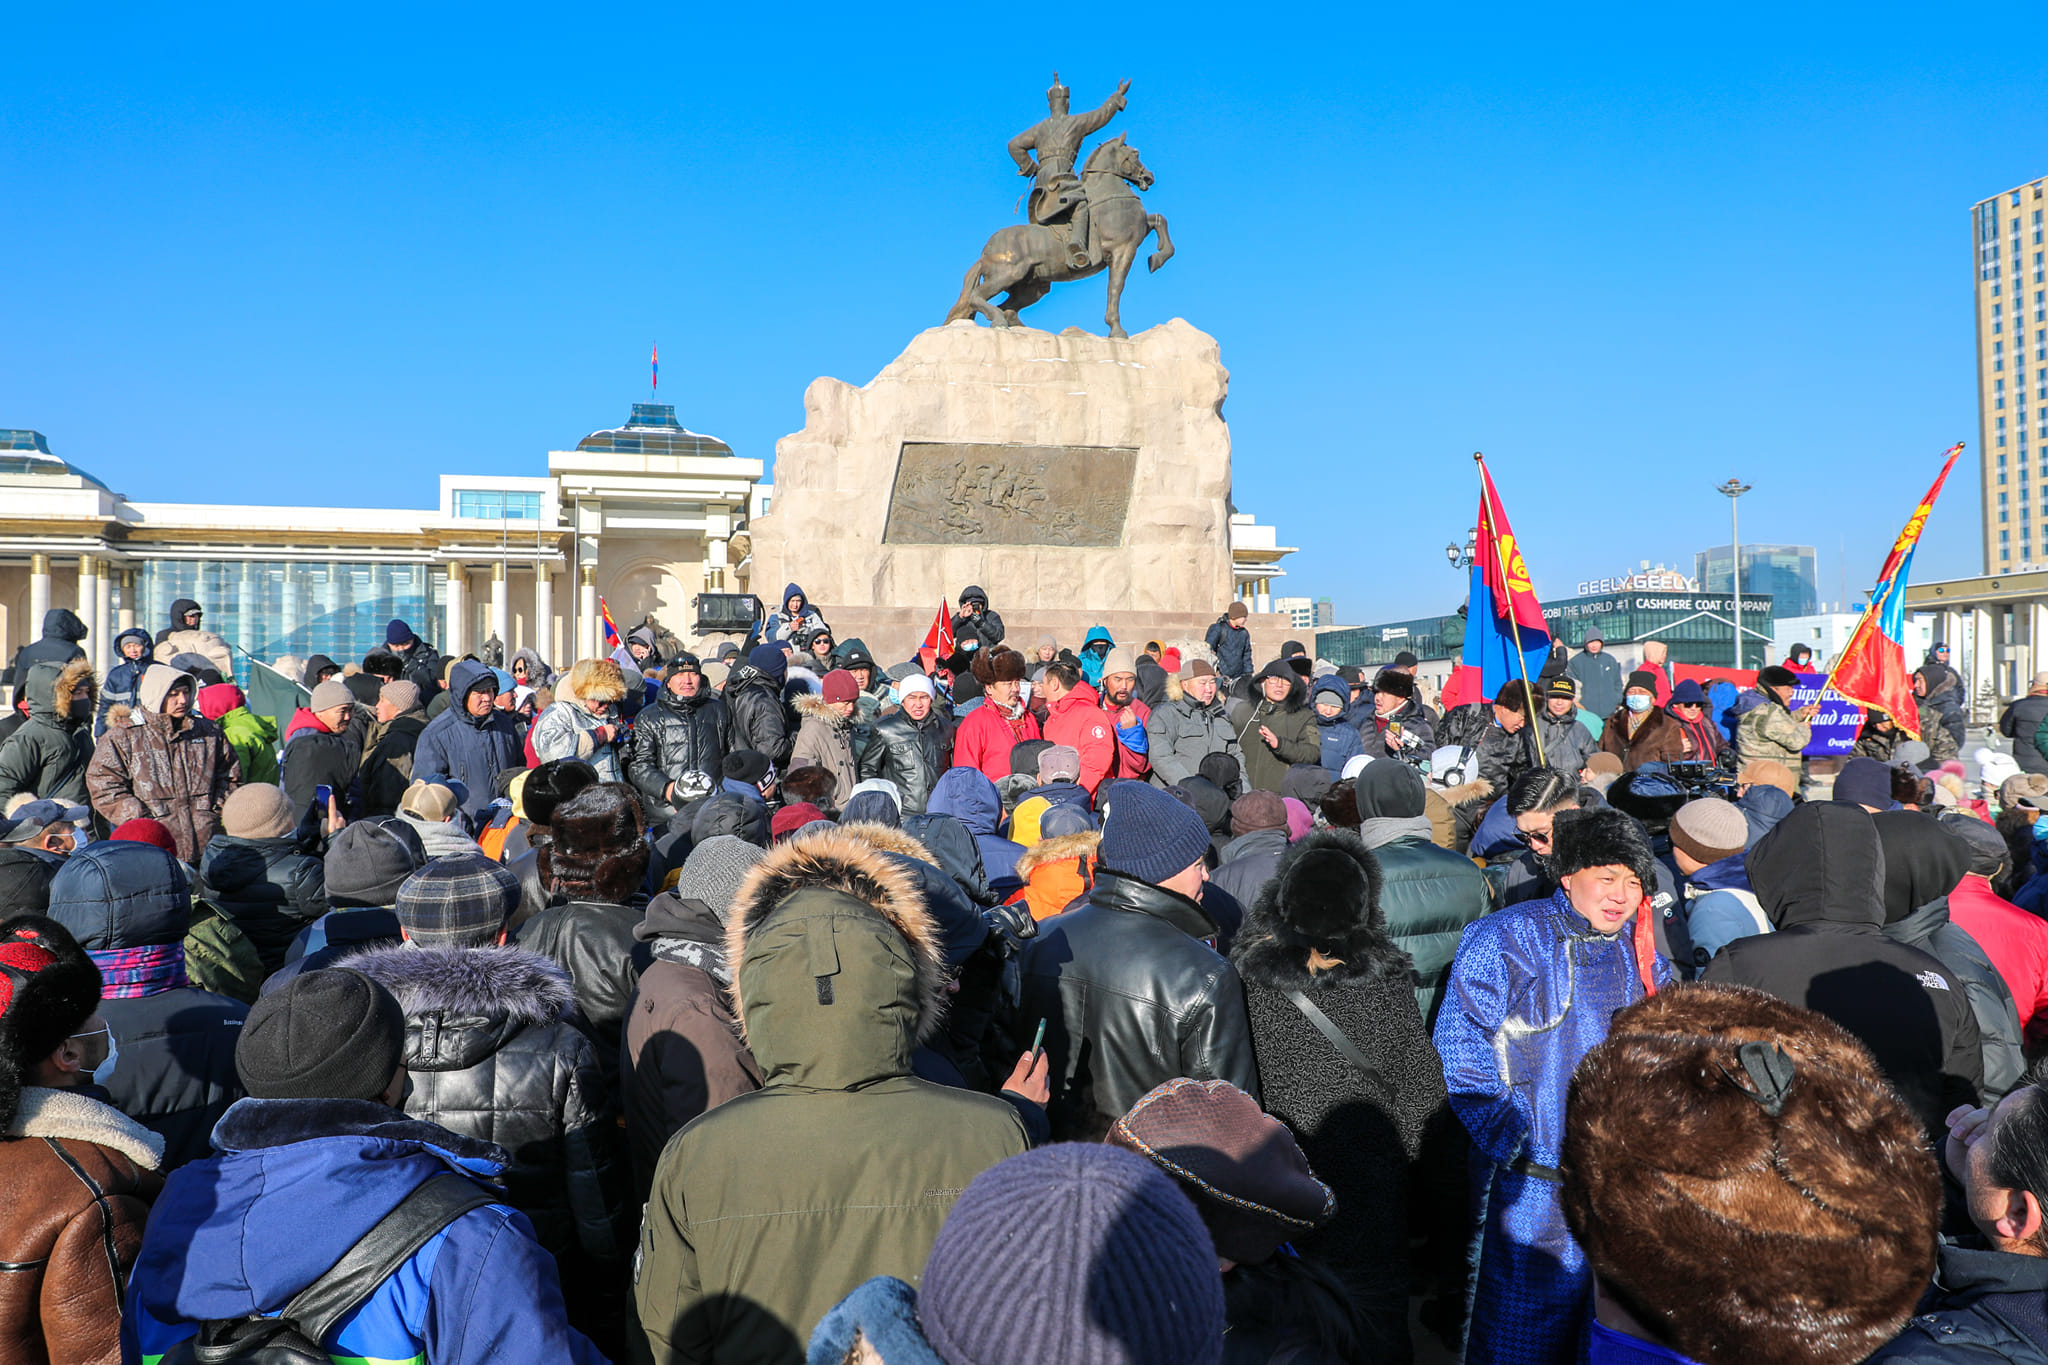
105, 1070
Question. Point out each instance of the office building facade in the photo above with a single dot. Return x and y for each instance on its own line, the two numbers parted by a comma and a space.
1788, 574
2011, 248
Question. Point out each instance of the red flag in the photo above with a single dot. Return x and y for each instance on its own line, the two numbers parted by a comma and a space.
939, 639
1506, 576
1871, 669
654, 375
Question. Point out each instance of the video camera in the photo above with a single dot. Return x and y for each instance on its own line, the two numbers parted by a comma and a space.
1703, 779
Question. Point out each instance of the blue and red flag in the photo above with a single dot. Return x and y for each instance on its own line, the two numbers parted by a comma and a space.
654, 363
611, 631
1871, 669
1502, 615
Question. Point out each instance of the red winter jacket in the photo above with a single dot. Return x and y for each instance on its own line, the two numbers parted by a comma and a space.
2015, 941
985, 738
1129, 762
1076, 721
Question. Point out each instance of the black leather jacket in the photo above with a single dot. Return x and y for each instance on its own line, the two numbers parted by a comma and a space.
593, 941
1132, 997
673, 737
912, 756
761, 719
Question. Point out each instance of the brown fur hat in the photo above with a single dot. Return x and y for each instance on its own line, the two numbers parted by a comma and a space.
1745, 1182
810, 783
599, 849
998, 665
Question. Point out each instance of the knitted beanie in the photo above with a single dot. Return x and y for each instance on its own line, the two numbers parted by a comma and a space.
770, 660
403, 696
1865, 782
1709, 829
1643, 679
398, 633
838, 686
334, 692
257, 810
1147, 835
460, 899
1079, 1253
368, 860
331, 1034
714, 871
144, 830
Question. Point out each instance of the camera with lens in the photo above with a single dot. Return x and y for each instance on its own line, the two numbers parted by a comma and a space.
1703, 779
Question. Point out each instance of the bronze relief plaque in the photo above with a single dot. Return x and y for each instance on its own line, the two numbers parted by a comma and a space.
950, 494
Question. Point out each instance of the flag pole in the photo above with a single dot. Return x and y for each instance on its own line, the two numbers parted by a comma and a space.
1514, 627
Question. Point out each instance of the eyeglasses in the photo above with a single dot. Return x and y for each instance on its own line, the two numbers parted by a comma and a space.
1529, 838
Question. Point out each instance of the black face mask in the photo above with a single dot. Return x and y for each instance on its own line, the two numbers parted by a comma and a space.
81, 708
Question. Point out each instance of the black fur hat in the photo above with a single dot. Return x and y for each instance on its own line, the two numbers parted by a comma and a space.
49, 987
599, 851
552, 783
1580, 839
1325, 899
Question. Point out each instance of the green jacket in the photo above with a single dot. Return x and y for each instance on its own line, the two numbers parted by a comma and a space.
1768, 731
254, 740
1429, 895
46, 756
1293, 723
770, 1208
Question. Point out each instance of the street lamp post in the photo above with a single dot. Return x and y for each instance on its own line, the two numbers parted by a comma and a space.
1734, 489
1461, 556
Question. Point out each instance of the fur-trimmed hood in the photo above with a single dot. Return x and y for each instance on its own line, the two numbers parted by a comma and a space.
837, 965
1059, 849
1324, 899
479, 997
812, 706
52, 688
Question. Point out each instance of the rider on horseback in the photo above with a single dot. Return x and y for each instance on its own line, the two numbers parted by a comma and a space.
1056, 195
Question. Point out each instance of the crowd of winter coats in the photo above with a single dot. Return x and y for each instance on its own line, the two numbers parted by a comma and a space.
1097, 1004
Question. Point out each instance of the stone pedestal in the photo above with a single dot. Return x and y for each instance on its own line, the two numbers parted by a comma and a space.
1067, 474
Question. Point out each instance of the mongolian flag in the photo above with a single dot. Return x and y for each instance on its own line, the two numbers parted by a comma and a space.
654, 362
938, 641
611, 631
1501, 611
1871, 669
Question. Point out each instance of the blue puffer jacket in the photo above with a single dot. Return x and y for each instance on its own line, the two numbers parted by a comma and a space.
1340, 738
1762, 807
968, 796
123, 678
472, 750
298, 1182
129, 907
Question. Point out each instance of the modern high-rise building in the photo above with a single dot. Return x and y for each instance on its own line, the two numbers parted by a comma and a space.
1788, 574
2012, 375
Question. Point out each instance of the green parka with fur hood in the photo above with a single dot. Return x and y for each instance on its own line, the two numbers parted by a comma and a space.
773, 1206
48, 754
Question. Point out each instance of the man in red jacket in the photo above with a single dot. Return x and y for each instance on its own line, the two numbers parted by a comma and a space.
1001, 722
2015, 941
1072, 718
1127, 713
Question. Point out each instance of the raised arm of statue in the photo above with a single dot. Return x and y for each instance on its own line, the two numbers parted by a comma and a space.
1095, 119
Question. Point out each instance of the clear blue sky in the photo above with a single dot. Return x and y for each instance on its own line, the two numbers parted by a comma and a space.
283, 255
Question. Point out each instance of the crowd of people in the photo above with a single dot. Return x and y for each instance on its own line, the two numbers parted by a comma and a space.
1090, 1001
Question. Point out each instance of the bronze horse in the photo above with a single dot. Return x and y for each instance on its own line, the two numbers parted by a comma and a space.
1024, 262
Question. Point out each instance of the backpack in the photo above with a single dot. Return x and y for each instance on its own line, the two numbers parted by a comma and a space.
219, 957
293, 1336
